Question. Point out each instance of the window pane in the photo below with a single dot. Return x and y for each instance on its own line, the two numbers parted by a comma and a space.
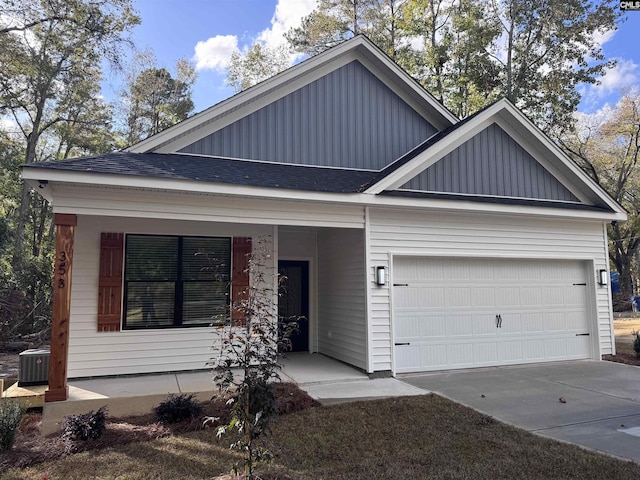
151, 258
206, 259
205, 303
150, 304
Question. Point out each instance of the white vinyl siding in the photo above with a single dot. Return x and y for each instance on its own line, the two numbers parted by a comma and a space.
201, 207
93, 353
342, 296
448, 234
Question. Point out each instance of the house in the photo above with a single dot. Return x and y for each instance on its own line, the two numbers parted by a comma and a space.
412, 241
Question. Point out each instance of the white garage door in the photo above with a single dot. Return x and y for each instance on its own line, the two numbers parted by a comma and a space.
461, 313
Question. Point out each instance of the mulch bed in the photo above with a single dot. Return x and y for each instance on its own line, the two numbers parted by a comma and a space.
32, 448
622, 358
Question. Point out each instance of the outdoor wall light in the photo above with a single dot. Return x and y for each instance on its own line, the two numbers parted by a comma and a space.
381, 276
603, 277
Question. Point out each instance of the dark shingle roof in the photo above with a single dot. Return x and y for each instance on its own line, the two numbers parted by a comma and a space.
498, 200
217, 170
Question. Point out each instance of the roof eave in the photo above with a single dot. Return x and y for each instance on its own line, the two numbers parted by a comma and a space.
52, 178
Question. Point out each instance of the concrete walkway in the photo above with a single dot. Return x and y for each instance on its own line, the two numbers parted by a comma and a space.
330, 381
602, 409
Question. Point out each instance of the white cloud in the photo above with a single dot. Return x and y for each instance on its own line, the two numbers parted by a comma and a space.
623, 75
288, 14
214, 53
602, 38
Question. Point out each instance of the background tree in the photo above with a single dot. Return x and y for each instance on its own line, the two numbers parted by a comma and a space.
468, 53
256, 64
609, 150
154, 99
51, 53
550, 47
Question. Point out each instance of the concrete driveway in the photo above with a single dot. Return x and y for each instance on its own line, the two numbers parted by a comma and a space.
602, 409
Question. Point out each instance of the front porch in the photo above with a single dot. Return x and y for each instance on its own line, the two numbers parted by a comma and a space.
325, 379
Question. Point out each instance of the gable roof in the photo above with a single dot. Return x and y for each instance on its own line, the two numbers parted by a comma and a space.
518, 126
358, 48
215, 170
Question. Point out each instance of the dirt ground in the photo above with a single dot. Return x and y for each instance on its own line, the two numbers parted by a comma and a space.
624, 328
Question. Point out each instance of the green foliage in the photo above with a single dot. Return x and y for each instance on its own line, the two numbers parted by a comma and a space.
155, 99
90, 425
247, 360
257, 64
468, 53
636, 343
11, 413
177, 408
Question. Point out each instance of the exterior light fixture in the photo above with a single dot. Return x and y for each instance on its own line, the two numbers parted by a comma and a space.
603, 277
381, 276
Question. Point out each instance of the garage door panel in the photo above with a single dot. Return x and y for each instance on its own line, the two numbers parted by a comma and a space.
533, 350
411, 327
460, 325
507, 296
485, 353
482, 297
532, 322
460, 354
509, 352
484, 324
447, 312
458, 297
531, 296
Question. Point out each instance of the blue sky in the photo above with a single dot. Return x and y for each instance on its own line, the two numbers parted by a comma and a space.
207, 31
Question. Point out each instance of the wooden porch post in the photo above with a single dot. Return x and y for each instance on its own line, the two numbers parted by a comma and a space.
65, 229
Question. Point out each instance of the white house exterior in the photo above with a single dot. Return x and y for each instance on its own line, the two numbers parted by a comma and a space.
492, 240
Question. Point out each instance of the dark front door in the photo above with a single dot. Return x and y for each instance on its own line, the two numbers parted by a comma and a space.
294, 299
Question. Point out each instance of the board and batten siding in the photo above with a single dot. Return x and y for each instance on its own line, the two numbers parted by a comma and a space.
347, 118
491, 163
201, 207
342, 312
93, 353
443, 234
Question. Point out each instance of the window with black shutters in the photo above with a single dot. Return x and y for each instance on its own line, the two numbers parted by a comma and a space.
173, 281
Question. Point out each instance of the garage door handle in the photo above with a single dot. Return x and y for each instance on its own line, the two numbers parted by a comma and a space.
582, 334
406, 343
498, 321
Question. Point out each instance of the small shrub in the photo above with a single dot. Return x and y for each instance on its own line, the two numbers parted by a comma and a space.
177, 408
85, 426
636, 343
10, 417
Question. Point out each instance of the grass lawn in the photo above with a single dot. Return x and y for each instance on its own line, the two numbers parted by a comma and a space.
404, 438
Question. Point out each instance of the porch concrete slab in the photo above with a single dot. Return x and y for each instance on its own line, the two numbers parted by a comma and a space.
123, 386
199, 384
599, 396
341, 392
306, 368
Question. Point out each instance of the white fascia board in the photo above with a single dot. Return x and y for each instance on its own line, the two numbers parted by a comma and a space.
186, 186
358, 48
44, 189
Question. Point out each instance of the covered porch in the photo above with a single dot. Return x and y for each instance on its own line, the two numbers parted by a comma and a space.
86, 358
